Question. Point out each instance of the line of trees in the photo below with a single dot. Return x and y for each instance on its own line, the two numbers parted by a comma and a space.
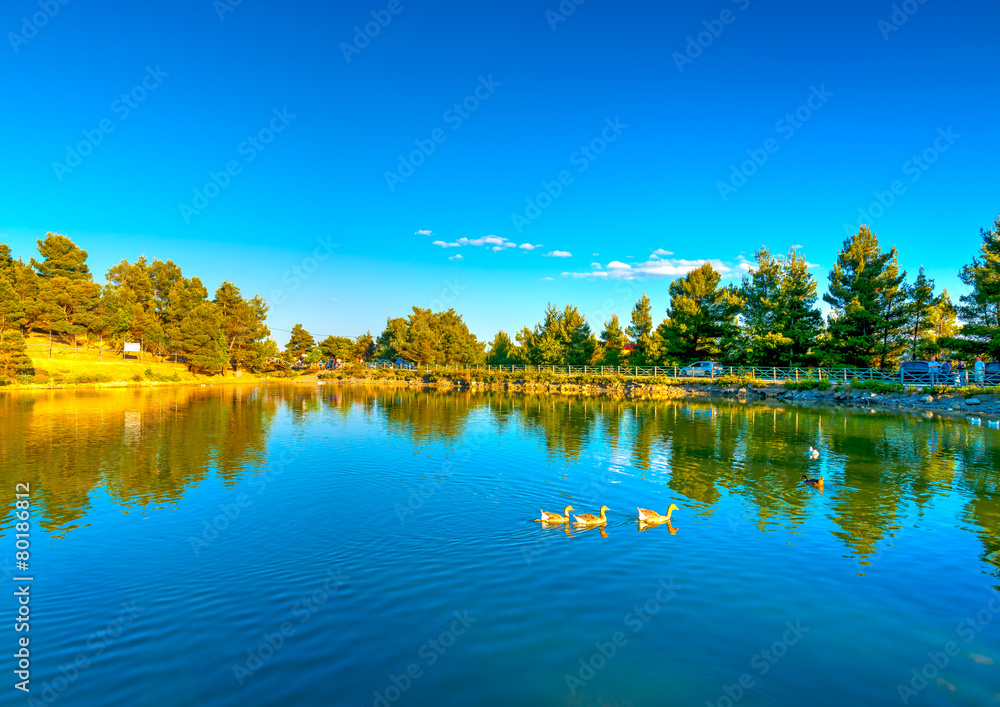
151, 303
878, 317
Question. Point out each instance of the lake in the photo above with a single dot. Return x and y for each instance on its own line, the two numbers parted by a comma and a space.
325, 545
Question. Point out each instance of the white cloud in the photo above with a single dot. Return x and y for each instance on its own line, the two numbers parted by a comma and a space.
559, 254
812, 265
444, 244
457, 256
595, 254
486, 240
659, 252
497, 248
658, 268
796, 246
596, 266
547, 278
528, 246
422, 233
510, 244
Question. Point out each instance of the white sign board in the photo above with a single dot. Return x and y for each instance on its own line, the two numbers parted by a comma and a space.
131, 347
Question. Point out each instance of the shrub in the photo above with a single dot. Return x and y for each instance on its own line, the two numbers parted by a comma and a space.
809, 384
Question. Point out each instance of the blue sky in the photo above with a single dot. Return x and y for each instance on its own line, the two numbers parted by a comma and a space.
694, 133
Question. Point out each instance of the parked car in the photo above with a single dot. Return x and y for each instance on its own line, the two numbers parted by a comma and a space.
993, 373
702, 368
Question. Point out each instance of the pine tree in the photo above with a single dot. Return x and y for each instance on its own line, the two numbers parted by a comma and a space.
701, 321
502, 350
14, 360
980, 309
364, 347
61, 258
762, 342
202, 340
613, 340
920, 305
868, 302
640, 333
798, 318
579, 341
11, 309
242, 323
301, 342
337, 347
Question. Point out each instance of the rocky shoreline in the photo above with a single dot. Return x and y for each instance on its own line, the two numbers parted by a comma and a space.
953, 402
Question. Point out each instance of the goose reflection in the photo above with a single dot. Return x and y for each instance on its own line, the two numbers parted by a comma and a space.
647, 524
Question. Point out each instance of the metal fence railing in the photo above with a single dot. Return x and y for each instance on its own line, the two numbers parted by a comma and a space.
773, 374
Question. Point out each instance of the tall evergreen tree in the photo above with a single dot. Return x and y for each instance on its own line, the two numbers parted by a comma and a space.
613, 342
61, 257
11, 309
337, 347
562, 337
14, 360
701, 321
868, 303
202, 340
364, 346
920, 301
301, 341
645, 350
979, 310
799, 319
502, 350
762, 341
242, 323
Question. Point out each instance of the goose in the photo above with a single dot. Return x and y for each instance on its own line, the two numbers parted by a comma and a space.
648, 516
995, 424
554, 517
814, 453
591, 519
975, 420
813, 482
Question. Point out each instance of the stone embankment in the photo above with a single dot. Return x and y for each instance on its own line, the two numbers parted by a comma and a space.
947, 403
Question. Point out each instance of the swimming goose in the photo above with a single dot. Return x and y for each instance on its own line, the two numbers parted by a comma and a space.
591, 519
554, 517
813, 482
814, 453
995, 424
648, 516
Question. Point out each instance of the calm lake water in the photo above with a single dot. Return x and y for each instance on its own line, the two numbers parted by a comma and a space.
338, 546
